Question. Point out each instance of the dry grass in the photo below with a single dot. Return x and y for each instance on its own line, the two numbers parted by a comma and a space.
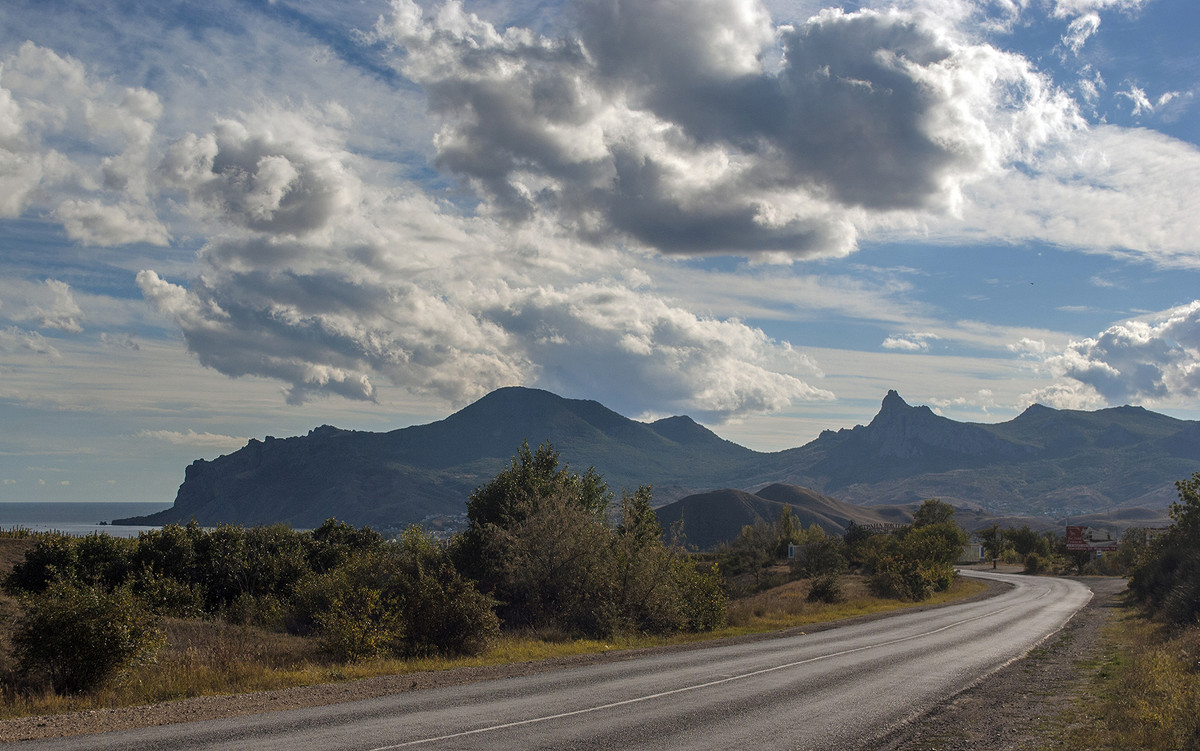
13, 545
1145, 692
208, 658
787, 606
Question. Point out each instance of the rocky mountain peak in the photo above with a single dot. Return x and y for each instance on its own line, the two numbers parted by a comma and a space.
893, 401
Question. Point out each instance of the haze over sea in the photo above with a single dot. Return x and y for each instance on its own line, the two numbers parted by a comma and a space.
76, 518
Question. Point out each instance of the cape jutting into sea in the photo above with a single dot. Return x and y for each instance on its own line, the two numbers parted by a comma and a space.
76, 518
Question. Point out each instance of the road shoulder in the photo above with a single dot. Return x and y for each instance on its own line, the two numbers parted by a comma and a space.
1011, 708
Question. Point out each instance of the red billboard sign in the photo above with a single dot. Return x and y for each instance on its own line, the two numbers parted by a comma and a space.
1090, 538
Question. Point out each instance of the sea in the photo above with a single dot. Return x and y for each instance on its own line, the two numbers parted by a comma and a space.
76, 518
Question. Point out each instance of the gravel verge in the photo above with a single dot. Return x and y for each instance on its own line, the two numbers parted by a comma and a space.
1013, 708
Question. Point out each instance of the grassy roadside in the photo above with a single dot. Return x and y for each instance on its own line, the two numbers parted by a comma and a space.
1142, 692
210, 657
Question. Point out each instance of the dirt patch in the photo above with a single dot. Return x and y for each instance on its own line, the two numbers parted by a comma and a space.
1011, 709
12, 551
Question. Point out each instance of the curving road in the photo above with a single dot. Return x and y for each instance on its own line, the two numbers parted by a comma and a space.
835, 689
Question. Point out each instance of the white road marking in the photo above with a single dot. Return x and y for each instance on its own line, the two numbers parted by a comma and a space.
684, 689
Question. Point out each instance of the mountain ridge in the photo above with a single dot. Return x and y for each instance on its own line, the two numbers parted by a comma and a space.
1045, 461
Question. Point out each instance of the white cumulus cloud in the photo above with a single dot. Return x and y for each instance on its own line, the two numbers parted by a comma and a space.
1128, 192
1151, 359
281, 183
667, 126
100, 193
396, 290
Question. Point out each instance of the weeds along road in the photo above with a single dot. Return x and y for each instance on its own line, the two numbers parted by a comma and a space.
835, 689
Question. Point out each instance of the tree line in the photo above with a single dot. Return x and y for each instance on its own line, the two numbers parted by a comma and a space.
909, 563
1166, 568
539, 553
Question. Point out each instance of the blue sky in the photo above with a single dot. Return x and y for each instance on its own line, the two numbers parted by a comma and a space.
228, 219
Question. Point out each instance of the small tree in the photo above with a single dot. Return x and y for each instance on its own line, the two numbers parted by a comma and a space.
788, 531
1133, 550
53, 558
1025, 541
913, 563
820, 557
993, 542
702, 598
443, 613
932, 512
553, 567
858, 545
646, 586
752, 551
335, 542
504, 503
1168, 578
169, 551
541, 544
81, 636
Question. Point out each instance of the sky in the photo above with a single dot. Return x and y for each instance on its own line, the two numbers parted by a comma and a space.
236, 218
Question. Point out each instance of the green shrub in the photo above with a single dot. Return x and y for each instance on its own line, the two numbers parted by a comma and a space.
821, 557
95, 559
361, 623
444, 613
104, 559
315, 594
265, 611
826, 588
353, 609
1182, 601
702, 598
233, 561
53, 558
914, 563
404, 598
888, 582
1034, 564
319, 594
1167, 578
333, 543
80, 636
165, 595
170, 551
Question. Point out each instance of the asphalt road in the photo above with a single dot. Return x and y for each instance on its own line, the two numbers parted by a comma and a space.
835, 689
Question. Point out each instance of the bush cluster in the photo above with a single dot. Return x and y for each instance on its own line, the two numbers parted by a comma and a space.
751, 561
361, 596
909, 563
79, 636
540, 553
914, 562
1166, 577
541, 543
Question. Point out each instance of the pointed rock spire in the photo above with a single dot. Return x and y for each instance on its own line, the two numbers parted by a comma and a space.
893, 401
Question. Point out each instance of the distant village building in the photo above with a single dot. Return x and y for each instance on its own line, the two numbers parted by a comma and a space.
971, 553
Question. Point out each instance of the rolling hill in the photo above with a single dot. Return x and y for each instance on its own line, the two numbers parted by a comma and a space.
706, 520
